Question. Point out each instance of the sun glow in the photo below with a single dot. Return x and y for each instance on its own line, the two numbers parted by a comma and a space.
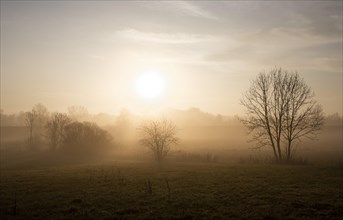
150, 85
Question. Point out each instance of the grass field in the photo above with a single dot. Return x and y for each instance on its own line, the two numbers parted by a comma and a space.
133, 190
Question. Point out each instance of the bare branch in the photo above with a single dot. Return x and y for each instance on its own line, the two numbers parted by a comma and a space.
280, 109
158, 136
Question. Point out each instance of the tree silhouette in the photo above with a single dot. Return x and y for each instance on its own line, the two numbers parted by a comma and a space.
85, 139
280, 109
30, 118
55, 129
158, 136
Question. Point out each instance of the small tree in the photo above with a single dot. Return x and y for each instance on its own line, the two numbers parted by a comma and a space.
158, 136
280, 109
55, 129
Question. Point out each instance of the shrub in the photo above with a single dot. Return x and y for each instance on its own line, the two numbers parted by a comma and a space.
85, 139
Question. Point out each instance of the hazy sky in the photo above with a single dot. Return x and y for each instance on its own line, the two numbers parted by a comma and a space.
90, 53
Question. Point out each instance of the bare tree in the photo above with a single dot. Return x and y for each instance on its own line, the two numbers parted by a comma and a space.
158, 136
280, 109
55, 129
30, 118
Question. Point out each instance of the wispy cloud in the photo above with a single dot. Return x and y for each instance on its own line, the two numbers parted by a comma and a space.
194, 10
183, 7
177, 38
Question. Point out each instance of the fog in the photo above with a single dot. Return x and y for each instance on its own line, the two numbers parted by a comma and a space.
171, 110
203, 138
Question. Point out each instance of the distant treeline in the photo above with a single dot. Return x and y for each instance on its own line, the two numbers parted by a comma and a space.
189, 117
60, 132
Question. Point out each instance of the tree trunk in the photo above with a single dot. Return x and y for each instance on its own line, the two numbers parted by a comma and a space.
279, 150
30, 139
289, 150
275, 154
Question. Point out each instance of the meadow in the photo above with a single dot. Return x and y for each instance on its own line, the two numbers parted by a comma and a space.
173, 190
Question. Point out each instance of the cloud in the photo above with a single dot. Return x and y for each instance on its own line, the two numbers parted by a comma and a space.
183, 7
194, 10
177, 38
323, 56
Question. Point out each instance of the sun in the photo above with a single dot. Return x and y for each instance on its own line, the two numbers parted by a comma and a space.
150, 85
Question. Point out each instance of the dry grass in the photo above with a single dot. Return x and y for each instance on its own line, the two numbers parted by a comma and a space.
174, 191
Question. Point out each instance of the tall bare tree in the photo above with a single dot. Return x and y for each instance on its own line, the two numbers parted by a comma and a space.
158, 136
280, 109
